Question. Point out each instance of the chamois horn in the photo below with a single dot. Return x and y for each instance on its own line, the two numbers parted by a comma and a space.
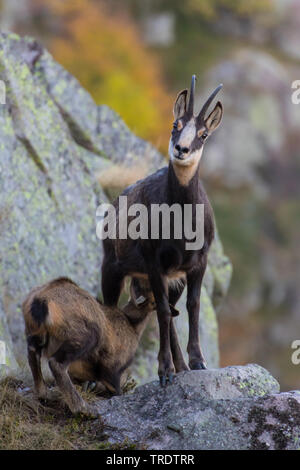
205, 107
192, 96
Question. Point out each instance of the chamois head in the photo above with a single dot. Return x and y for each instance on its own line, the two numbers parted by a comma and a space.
140, 305
189, 131
141, 294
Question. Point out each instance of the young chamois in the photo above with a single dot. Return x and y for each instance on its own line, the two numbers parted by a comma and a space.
160, 260
82, 339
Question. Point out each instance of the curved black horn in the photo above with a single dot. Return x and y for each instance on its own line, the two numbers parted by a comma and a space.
205, 107
192, 96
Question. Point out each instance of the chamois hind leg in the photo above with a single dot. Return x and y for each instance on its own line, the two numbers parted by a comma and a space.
112, 281
34, 359
159, 288
59, 363
194, 281
179, 362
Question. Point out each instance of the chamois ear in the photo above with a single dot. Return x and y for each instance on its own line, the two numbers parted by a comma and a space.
215, 117
180, 105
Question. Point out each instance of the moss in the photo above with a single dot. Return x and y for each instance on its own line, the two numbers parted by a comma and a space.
259, 385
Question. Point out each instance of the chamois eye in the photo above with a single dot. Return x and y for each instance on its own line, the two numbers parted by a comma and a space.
202, 134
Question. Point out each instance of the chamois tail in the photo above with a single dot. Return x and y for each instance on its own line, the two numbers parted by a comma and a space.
39, 311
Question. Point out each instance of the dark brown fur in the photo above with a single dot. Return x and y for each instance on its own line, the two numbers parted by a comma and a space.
163, 261
81, 338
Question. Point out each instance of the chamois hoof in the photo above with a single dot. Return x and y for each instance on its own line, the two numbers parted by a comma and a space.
89, 411
171, 377
167, 378
88, 386
163, 380
49, 395
197, 365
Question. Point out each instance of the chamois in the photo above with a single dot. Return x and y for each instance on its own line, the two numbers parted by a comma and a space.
161, 260
82, 339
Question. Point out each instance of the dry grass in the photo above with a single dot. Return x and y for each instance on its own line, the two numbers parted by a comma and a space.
27, 424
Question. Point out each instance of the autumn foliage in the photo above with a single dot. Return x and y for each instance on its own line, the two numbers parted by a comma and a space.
105, 52
209, 9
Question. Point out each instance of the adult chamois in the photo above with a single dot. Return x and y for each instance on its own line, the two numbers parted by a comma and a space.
82, 339
164, 261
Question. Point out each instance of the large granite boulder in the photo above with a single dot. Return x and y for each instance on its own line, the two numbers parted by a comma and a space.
235, 408
55, 146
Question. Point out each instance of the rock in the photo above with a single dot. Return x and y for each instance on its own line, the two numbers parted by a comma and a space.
209, 338
8, 363
261, 115
56, 144
218, 275
49, 195
236, 407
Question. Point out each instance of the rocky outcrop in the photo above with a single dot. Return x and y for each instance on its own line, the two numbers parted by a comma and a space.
55, 145
230, 408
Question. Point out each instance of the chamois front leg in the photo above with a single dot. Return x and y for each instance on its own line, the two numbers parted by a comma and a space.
112, 280
194, 282
159, 288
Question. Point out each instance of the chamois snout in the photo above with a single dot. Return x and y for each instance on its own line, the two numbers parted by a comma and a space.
180, 151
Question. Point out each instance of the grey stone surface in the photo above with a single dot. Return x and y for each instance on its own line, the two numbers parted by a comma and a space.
237, 407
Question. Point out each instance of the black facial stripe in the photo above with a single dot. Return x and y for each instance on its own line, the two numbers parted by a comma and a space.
176, 133
175, 136
196, 144
183, 122
197, 141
